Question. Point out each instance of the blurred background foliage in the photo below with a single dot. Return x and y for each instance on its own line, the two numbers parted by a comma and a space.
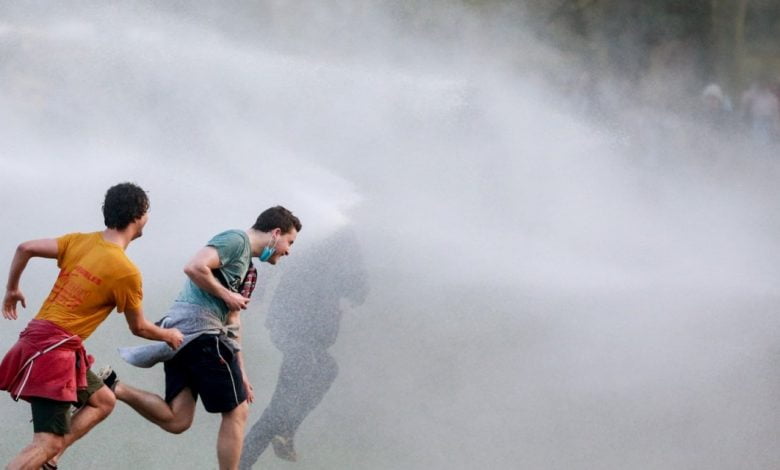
729, 42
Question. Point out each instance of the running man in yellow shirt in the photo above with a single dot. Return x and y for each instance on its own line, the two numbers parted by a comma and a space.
49, 366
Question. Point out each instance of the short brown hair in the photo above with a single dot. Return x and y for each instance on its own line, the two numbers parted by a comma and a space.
277, 217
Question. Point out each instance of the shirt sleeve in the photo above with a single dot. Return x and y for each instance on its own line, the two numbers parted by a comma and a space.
128, 293
63, 243
229, 246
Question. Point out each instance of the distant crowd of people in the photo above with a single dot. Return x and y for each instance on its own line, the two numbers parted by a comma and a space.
648, 103
758, 110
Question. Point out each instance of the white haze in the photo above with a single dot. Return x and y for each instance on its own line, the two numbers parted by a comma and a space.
546, 292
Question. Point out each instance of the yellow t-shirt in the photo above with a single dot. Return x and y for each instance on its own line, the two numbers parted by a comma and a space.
95, 276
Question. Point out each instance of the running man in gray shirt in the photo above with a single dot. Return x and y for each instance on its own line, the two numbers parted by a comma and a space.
207, 311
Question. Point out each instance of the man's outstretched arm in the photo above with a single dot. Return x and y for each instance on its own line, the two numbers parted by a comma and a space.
43, 248
143, 328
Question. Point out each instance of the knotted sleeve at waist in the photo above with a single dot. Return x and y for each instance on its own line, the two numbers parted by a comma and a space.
193, 321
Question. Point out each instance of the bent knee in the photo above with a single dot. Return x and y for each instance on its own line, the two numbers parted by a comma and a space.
52, 444
56, 446
103, 399
238, 414
177, 427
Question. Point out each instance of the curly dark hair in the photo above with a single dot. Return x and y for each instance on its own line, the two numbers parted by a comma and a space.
124, 203
277, 217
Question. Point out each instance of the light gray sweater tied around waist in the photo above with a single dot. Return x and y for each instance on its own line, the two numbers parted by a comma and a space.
192, 320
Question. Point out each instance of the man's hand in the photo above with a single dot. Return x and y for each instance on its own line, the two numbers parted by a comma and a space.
12, 296
143, 328
235, 301
174, 338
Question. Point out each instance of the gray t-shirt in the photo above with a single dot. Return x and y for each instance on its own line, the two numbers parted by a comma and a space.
234, 254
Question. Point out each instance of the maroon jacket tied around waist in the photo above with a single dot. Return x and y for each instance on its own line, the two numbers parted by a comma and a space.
47, 362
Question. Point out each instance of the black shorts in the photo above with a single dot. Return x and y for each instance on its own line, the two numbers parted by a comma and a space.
54, 416
209, 369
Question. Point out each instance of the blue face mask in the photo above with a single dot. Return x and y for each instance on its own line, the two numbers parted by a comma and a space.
268, 251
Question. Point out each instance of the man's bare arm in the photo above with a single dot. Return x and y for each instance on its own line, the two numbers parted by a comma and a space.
43, 248
143, 328
198, 269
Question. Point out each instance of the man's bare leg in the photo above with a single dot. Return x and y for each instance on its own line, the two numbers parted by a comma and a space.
174, 418
44, 446
231, 437
98, 407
